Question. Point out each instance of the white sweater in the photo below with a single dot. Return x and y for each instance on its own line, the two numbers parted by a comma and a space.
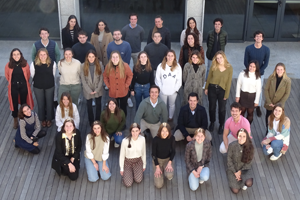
138, 149
168, 81
59, 121
69, 72
88, 150
250, 85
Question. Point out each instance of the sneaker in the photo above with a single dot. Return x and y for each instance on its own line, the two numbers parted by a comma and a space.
106, 88
270, 150
201, 182
204, 85
116, 145
273, 158
244, 187
258, 111
129, 102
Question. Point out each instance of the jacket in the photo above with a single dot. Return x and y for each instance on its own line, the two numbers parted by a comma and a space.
8, 76
211, 40
101, 52
67, 38
273, 96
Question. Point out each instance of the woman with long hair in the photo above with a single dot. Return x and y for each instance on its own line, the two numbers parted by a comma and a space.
42, 71
92, 83
277, 89
169, 79
17, 74
191, 27
113, 120
66, 109
143, 78
164, 32
163, 153
133, 156
29, 130
97, 153
100, 38
278, 137
117, 77
191, 44
193, 76
69, 69
66, 158
198, 153
217, 88
248, 89
239, 159
70, 32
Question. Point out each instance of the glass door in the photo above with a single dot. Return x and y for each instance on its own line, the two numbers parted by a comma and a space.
290, 26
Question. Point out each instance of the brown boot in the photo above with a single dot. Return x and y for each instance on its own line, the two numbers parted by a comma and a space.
16, 123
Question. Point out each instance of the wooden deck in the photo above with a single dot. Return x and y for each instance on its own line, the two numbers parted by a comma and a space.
26, 176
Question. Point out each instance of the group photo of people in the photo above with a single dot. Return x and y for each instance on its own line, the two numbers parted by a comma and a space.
110, 75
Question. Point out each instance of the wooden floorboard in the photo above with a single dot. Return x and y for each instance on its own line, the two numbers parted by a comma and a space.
26, 176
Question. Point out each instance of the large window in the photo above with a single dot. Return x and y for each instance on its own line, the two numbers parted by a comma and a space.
231, 11
116, 12
22, 19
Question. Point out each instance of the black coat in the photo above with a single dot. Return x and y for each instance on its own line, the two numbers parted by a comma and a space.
67, 38
184, 118
59, 158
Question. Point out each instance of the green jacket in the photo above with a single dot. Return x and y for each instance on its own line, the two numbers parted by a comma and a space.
211, 39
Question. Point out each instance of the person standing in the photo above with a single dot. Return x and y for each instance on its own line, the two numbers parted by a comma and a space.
69, 34
17, 74
100, 38
164, 32
156, 51
261, 53
134, 35
216, 41
81, 48
191, 27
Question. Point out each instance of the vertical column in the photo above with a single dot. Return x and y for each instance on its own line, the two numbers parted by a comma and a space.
65, 9
195, 8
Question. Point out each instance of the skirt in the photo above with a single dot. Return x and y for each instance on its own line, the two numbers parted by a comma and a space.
247, 99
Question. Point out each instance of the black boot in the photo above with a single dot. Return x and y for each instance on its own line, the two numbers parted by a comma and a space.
221, 129
211, 127
258, 111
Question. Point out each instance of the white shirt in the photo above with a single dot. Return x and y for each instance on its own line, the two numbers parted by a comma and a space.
250, 85
154, 104
88, 149
59, 121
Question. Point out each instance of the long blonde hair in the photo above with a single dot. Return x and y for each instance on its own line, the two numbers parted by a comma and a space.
281, 65
37, 60
110, 65
86, 65
164, 61
215, 64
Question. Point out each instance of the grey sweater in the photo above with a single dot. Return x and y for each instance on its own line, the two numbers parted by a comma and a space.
149, 114
134, 36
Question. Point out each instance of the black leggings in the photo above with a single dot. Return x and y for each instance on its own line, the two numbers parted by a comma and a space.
41, 134
18, 89
250, 112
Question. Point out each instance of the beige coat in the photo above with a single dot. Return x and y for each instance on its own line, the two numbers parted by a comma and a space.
89, 86
101, 52
273, 96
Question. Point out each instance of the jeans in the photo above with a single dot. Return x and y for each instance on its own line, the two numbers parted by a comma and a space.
89, 106
216, 93
194, 182
262, 89
208, 67
18, 89
140, 92
93, 173
134, 57
118, 138
276, 145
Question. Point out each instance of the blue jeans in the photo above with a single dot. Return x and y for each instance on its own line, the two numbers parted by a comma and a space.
194, 182
140, 92
93, 173
118, 138
276, 145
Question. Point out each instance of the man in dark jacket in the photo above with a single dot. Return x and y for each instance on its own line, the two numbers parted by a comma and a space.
191, 117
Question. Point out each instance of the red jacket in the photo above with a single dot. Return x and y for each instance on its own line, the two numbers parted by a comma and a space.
118, 87
8, 75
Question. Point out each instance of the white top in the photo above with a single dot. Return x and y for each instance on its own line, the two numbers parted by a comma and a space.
138, 149
168, 81
275, 126
182, 37
250, 85
59, 121
32, 69
69, 72
88, 150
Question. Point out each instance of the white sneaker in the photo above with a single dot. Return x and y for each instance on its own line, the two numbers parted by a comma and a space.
273, 158
270, 150
244, 187
201, 182
116, 145
129, 102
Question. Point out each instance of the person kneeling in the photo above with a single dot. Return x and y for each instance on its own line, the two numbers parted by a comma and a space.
133, 156
197, 157
96, 153
163, 152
